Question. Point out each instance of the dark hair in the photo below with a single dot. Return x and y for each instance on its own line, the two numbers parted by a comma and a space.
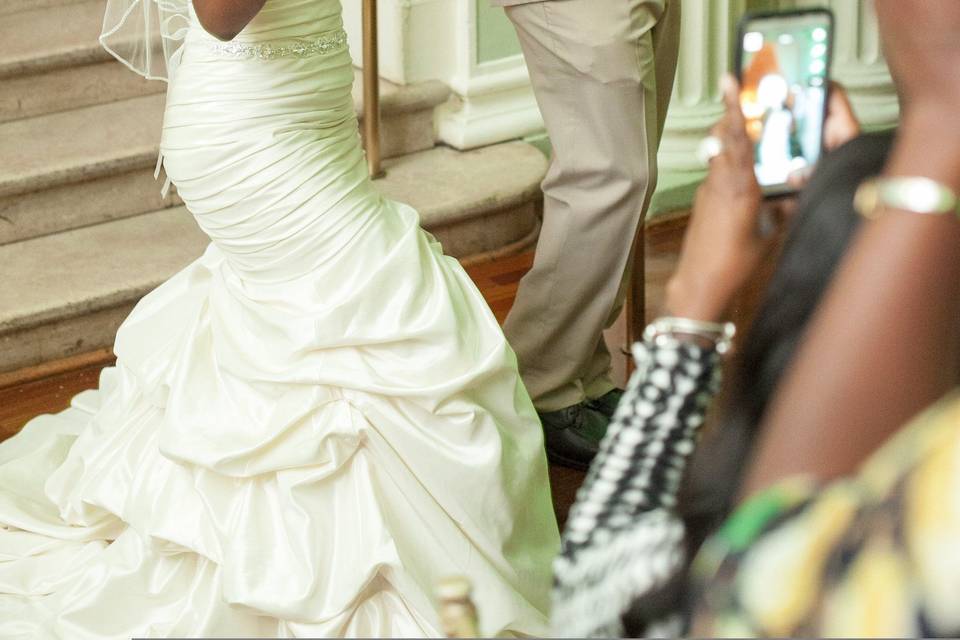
820, 233
819, 236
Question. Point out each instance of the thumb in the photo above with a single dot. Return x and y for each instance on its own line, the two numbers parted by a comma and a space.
731, 92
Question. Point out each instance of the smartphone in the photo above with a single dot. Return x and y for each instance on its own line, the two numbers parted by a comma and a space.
783, 65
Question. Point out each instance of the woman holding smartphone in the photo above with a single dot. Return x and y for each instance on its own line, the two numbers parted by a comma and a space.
852, 525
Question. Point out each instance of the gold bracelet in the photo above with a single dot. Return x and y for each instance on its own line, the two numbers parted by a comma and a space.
912, 194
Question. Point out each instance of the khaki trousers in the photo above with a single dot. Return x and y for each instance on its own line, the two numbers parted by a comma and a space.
602, 72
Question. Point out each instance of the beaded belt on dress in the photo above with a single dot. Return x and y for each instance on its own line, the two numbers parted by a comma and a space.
325, 44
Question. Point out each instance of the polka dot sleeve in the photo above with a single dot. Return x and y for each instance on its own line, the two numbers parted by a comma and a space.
623, 541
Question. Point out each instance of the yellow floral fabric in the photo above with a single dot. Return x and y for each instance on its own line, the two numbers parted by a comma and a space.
875, 555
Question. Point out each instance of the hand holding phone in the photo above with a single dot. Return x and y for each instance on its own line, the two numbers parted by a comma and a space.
782, 63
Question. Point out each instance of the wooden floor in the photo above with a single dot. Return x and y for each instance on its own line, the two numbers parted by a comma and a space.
24, 395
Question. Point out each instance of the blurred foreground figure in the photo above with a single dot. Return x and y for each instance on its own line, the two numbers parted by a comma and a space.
852, 525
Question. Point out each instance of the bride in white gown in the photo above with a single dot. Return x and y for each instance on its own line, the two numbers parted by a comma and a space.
306, 428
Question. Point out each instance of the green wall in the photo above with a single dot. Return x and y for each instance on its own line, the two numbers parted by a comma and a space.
763, 5
495, 36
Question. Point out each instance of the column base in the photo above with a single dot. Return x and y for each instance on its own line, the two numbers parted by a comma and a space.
488, 109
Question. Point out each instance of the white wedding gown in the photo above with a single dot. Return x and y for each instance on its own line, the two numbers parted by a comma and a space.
306, 428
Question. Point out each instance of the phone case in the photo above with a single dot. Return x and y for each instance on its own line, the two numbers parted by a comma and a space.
738, 54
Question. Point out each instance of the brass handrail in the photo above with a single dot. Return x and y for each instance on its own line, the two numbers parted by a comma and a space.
371, 89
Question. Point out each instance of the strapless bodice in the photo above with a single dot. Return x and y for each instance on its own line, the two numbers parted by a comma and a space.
261, 139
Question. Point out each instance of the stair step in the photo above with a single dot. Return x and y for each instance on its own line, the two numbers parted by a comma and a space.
474, 202
79, 272
38, 94
67, 293
79, 145
76, 168
16, 6
51, 37
51, 60
406, 112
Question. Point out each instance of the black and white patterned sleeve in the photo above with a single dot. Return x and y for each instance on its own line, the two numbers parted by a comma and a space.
623, 540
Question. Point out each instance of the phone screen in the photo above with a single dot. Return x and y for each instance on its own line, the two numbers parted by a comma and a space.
784, 64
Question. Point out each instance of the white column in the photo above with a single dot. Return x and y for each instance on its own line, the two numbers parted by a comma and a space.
493, 100
418, 38
437, 40
706, 44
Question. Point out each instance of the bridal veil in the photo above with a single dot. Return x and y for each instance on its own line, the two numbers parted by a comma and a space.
146, 35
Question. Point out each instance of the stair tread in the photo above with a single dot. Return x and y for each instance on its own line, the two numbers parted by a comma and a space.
108, 264
119, 261
68, 146
71, 88
446, 185
9, 7
51, 37
397, 98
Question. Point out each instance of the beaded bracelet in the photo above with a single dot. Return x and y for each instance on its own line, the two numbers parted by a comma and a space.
663, 332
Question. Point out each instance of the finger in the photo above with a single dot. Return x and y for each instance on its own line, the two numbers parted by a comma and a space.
767, 223
735, 150
730, 89
717, 129
732, 133
725, 126
799, 178
731, 129
842, 124
733, 123
839, 106
784, 208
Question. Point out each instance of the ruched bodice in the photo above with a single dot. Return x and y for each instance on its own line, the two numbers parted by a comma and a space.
306, 428
281, 182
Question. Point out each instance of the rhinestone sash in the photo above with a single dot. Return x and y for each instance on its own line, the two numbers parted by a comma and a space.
325, 44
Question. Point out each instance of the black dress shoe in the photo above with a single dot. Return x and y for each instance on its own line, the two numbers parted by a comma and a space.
572, 435
607, 403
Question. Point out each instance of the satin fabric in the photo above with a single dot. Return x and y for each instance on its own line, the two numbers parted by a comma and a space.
306, 428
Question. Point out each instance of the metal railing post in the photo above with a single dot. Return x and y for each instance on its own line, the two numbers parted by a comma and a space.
371, 89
